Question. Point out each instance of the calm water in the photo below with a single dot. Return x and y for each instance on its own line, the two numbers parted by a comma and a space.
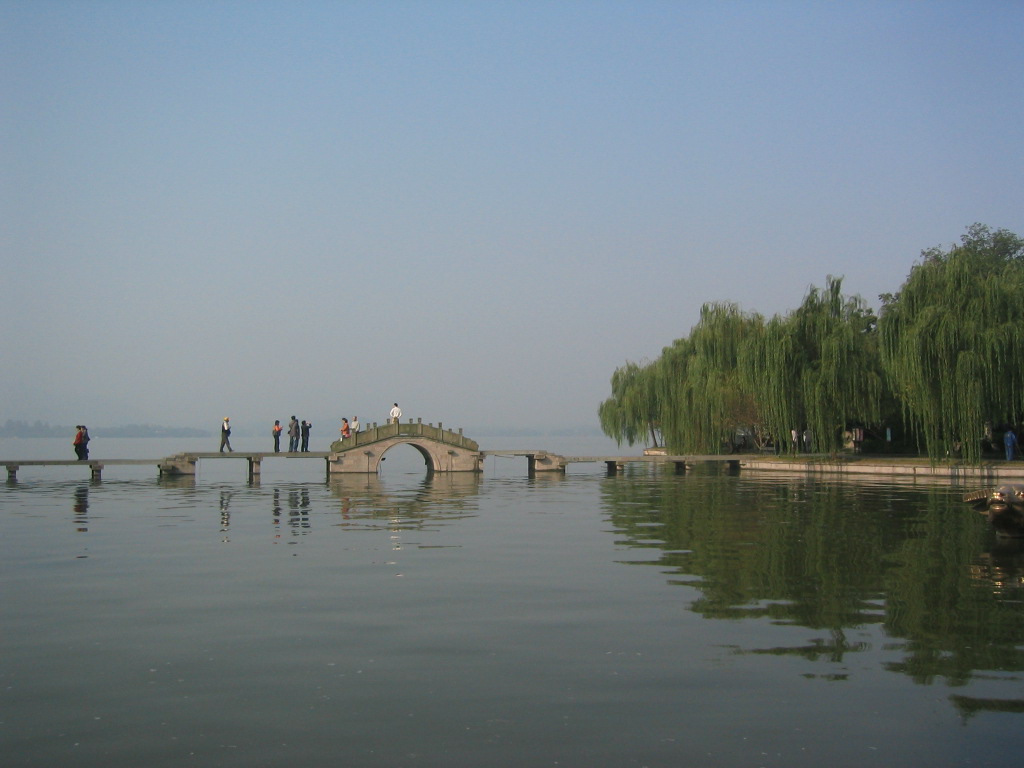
647, 619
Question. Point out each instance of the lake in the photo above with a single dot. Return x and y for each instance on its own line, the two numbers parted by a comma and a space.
646, 619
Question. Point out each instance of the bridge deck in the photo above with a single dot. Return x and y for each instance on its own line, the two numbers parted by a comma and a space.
258, 455
893, 466
96, 466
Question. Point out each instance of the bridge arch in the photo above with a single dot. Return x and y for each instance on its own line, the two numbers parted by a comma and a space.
442, 450
396, 452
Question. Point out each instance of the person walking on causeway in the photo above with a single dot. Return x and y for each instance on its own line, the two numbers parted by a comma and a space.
81, 451
225, 435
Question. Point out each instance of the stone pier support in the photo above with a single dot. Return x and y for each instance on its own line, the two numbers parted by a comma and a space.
545, 462
182, 464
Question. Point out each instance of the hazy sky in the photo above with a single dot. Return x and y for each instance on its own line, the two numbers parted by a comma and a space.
478, 209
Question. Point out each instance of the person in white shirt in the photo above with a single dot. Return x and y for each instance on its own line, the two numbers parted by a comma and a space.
396, 414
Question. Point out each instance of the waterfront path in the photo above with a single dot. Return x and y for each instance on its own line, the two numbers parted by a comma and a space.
539, 460
167, 465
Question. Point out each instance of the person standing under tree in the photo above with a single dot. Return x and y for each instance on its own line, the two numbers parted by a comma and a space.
1010, 441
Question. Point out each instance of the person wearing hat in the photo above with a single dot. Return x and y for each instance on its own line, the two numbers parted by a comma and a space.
225, 433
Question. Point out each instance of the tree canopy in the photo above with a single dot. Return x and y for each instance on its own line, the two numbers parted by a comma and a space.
945, 354
952, 340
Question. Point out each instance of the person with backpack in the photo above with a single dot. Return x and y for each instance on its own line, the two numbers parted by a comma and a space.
225, 434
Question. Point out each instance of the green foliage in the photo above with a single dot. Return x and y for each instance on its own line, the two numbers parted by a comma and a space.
631, 413
703, 396
947, 351
818, 367
952, 340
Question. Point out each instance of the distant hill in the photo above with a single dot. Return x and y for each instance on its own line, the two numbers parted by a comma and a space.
13, 428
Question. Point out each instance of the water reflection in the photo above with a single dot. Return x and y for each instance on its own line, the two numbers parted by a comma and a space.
561, 619
182, 482
1001, 568
433, 500
296, 518
225, 514
839, 558
80, 509
969, 706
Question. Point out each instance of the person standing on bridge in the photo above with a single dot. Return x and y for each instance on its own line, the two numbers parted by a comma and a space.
355, 424
346, 430
293, 435
225, 435
276, 431
78, 442
306, 426
396, 414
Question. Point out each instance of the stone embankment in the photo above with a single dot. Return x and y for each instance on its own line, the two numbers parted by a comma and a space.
987, 471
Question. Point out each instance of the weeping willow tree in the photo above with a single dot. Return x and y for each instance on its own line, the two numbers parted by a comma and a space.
702, 394
952, 341
817, 368
631, 414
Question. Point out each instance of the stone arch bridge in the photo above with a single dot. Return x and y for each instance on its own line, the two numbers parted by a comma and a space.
442, 449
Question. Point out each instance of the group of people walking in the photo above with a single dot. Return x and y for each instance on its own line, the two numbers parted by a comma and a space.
81, 442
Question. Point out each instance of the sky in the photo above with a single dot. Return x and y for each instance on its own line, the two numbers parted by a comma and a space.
476, 209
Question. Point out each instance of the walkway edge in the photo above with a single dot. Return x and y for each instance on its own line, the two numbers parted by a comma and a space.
988, 472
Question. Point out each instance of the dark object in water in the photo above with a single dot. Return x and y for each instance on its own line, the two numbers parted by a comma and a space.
1004, 507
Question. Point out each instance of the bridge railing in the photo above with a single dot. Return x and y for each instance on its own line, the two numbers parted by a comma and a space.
417, 428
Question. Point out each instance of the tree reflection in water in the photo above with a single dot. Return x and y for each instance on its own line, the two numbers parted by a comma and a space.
833, 556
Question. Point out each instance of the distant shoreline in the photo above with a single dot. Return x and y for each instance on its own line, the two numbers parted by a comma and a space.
36, 430
23, 430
